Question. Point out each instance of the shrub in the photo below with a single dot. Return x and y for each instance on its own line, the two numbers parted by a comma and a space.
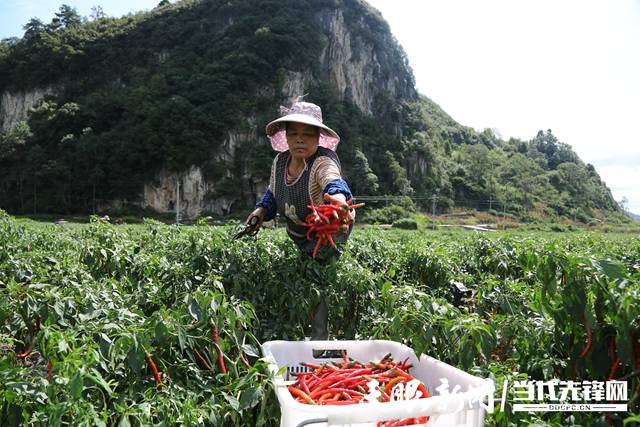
405, 224
387, 215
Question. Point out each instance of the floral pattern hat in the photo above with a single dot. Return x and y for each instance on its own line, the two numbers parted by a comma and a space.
300, 112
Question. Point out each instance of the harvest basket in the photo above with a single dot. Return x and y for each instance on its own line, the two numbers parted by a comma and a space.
459, 409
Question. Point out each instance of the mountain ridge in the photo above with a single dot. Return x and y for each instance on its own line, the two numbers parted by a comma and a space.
182, 93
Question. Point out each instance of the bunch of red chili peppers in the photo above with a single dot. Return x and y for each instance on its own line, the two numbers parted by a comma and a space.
326, 220
346, 384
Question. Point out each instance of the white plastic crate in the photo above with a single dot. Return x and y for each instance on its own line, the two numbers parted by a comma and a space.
453, 410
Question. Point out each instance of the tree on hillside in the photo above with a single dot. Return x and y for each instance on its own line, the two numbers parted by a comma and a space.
67, 16
97, 13
364, 181
555, 151
399, 182
624, 203
33, 28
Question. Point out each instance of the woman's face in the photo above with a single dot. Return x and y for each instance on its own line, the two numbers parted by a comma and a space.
302, 139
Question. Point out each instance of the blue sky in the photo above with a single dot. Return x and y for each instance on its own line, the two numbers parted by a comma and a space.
571, 66
517, 66
15, 13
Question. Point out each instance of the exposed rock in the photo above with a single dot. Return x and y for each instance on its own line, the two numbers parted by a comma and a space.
14, 106
363, 69
160, 195
360, 70
295, 84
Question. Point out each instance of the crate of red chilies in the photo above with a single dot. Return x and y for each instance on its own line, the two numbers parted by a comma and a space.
459, 403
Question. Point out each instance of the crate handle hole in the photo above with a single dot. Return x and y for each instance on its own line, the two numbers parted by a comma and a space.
319, 353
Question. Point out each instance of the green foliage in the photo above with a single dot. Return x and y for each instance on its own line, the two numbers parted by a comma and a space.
105, 295
405, 224
363, 178
398, 176
539, 179
388, 214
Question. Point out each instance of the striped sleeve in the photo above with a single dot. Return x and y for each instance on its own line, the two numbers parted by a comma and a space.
323, 172
272, 178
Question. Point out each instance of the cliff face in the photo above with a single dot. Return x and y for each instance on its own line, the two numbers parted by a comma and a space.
14, 106
361, 70
355, 58
180, 95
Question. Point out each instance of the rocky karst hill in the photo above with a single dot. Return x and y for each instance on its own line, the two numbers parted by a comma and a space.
114, 112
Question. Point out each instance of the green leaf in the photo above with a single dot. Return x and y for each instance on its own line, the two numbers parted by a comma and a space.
633, 419
97, 379
250, 398
182, 338
76, 385
161, 332
250, 350
124, 421
612, 269
62, 346
194, 310
235, 404
135, 359
58, 307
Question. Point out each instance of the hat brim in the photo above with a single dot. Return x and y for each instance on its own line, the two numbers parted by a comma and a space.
277, 133
274, 126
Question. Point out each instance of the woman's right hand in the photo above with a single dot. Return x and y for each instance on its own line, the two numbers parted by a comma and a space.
255, 219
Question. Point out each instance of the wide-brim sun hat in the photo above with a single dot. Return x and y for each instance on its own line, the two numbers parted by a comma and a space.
301, 112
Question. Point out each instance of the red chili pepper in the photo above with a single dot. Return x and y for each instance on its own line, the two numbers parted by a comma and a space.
326, 221
216, 345
635, 339
49, 370
424, 391
319, 393
345, 384
316, 248
390, 384
154, 370
29, 349
341, 402
614, 368
244, 360
27, 352
304, 385
325, 397
301, 394
588, 346
201, 359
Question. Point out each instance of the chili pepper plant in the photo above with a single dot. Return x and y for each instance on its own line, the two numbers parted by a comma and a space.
161, 325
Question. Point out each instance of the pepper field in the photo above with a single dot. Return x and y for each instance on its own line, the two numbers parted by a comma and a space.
86, 309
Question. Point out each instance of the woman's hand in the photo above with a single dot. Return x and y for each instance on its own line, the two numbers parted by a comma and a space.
341, 200
255, 219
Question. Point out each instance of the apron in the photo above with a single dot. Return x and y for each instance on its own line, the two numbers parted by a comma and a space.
293, 200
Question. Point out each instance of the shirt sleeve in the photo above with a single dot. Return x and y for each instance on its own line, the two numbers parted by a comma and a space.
268, 203
325, 170
326, 178
338, 186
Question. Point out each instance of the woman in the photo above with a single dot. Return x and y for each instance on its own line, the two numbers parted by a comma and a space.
305, 169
